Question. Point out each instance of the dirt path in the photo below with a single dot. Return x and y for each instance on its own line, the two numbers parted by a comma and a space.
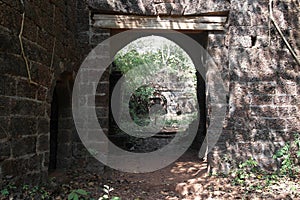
185, 179
178, 181
168, 183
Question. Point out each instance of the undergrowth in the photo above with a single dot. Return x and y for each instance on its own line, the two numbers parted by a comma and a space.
252, 177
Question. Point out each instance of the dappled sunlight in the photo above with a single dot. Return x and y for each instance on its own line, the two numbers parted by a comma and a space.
192, 168
143, 86
206, 187
216, 187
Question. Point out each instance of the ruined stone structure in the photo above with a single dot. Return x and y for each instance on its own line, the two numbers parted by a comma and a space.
43, 44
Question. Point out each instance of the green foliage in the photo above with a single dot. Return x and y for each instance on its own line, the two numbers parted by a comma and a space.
250, 176
172, 122
132, 59
141, 60
245, 171
77, 194
144, 92
289, 155
249, 164
270, 178
26, 190
7, 190
40, 192
4, 192
139, 105
169, 56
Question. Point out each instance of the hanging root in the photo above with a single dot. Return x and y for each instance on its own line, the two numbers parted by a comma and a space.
54, 45
22, 48
282, 36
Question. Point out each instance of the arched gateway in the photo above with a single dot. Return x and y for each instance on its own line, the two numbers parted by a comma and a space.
42, 49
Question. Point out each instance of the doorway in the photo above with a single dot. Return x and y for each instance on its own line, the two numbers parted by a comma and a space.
61, 124
128, 142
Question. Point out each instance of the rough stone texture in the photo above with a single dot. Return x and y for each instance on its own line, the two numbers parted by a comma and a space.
262, 83
49, 42
163, 7
257, 68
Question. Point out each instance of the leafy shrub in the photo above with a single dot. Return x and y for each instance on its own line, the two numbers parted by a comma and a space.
289, 156
139, 105
244, 171
77, 194
11, 191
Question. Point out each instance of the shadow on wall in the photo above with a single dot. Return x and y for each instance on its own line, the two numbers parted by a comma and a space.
61, 123
264, 89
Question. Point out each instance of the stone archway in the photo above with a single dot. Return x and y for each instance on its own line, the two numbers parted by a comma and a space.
196, 27
108, 18
171, 85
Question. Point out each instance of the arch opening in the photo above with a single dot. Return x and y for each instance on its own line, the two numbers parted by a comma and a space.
178, 110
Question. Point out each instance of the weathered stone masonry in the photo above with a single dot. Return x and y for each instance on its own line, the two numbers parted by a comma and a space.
260, 74
258, 70
50, 47
263, 81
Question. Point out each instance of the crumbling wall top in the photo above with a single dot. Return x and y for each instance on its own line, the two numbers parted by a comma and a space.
160, 7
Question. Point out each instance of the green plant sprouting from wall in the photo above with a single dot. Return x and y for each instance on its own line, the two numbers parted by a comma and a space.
249, 174
289, 156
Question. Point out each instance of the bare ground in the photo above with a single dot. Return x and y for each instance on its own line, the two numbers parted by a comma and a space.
185, 179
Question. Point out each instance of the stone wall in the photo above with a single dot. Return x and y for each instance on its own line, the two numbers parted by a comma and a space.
258, 71
50, 48
159, 7
260, 74
263, 81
